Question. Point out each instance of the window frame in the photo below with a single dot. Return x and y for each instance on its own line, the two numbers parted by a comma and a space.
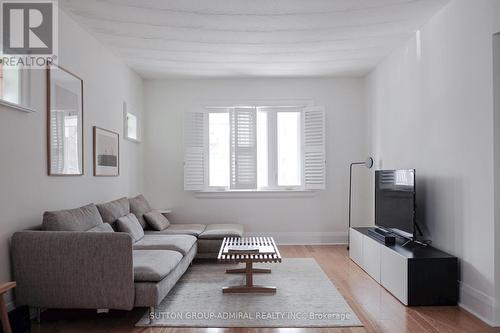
24, 90
209, 188
272, 124
126, 136
272, 149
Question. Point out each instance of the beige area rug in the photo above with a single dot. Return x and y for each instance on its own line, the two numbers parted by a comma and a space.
305, 297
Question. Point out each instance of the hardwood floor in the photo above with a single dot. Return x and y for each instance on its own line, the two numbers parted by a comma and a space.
375, 307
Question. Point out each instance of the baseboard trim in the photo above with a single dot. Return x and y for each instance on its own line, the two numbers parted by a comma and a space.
304, 238
479, 304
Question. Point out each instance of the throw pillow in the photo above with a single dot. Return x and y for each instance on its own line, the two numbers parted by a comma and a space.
131, 226
105, 227
156, 220
139, 206
78, 219
113, 210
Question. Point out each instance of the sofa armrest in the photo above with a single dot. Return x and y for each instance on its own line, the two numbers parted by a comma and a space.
58, 269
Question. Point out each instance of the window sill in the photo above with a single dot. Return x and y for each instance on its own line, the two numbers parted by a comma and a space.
16, 106
255, 194
132, 139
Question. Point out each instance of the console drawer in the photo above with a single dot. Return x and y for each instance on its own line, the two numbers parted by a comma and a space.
394, 273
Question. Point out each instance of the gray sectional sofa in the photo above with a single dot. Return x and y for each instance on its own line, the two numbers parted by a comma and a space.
79, 258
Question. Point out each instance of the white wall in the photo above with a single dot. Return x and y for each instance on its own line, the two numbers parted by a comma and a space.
25, 189
320, 218
434, 112
496, 152
496, 17
496, 93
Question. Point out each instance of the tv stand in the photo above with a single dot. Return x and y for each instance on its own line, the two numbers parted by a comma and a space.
413, 273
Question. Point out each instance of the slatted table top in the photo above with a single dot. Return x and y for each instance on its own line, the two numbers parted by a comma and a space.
254, 257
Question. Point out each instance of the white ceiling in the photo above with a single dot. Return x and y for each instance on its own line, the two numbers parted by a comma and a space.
249, 38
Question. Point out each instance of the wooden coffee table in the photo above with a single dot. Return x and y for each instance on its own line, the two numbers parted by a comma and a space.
249, 259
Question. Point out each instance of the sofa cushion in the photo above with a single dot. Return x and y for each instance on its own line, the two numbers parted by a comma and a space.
179, 243
180, 229
156, 220
105, 227
219, 231
78, 219
209, 245
113, 210
131, 226
154, 265
139, 206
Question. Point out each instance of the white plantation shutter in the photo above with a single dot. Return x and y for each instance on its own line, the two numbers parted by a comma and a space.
314, 156
243, 148
194, 151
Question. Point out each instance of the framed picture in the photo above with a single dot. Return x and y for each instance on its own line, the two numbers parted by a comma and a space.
106, 152
64, 122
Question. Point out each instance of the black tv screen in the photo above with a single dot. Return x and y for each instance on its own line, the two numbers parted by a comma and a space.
395, 201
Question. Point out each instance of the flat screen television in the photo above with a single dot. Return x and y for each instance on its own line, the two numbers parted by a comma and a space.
395, 201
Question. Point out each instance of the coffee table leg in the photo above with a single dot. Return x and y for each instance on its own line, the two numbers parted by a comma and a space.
244, 270
249, 287
249, 274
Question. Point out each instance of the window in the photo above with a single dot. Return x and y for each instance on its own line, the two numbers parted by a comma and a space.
288, 135
15, 87
10, 84
262, 149
219, 152
249, 148
131, 125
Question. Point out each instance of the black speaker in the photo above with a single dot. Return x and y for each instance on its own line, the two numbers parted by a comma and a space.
19, 320
385, 238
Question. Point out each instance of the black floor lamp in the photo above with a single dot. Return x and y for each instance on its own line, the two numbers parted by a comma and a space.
367, 163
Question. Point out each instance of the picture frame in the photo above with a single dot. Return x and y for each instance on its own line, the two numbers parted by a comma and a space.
106, 152
65, 122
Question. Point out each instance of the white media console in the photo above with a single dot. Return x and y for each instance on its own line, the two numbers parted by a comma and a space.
414, 274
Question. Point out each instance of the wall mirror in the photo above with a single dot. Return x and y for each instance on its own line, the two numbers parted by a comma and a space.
64, 122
